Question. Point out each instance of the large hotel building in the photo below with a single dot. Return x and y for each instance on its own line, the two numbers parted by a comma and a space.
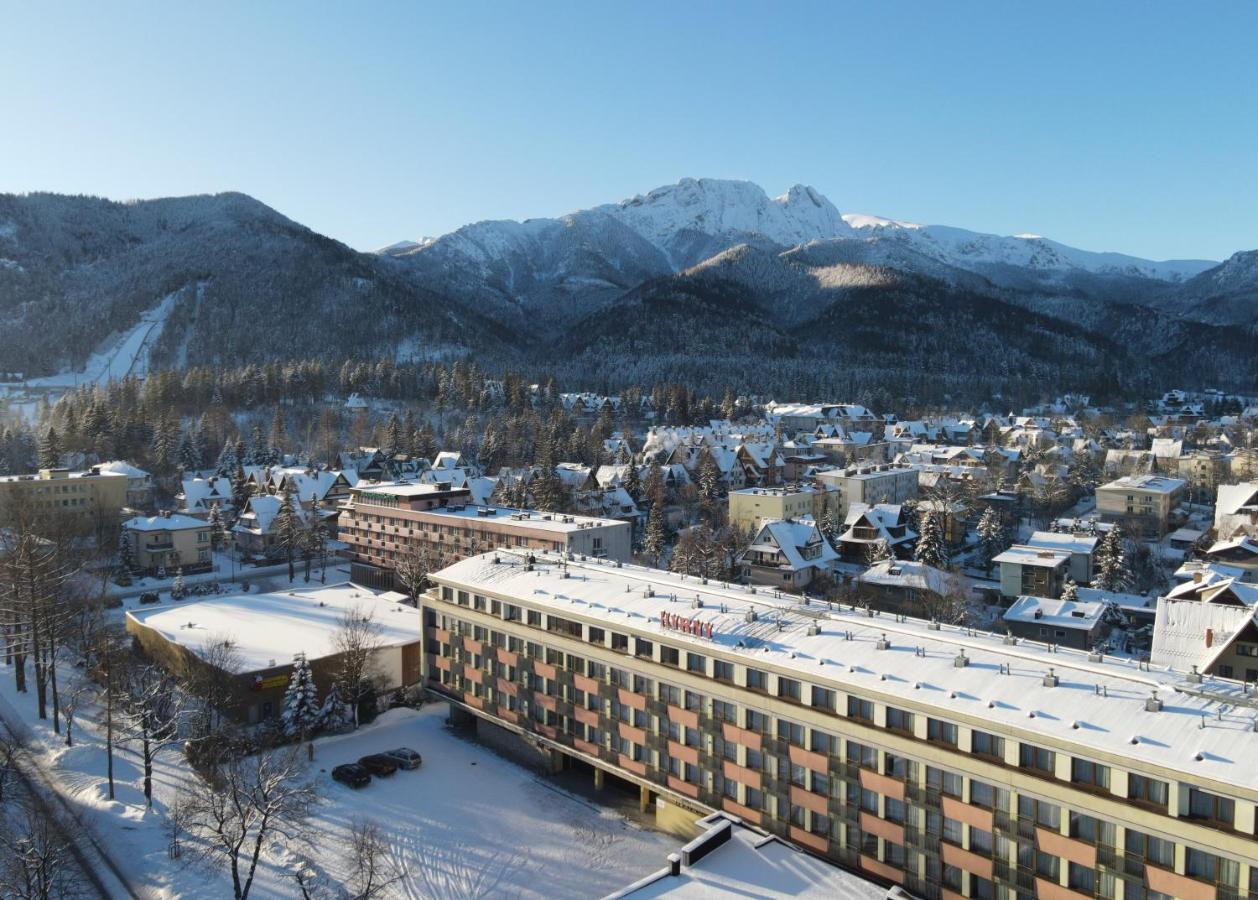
381, 523
951, 762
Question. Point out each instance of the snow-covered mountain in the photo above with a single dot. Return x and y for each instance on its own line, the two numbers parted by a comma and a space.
979, 252
548, 270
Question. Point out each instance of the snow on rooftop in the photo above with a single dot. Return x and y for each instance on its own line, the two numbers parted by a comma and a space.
1206, 730
1057, 613
173, 522
752, 863
267, 630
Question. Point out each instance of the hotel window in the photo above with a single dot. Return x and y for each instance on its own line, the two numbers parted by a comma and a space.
789, 689
860, 755
1155, 850
980, 841
899, 720
799, 775
820, 742
596, 670
948, 783
987, 796
1081, 878
696, 663
670, 694
723, 671
1037, 759
757, 680
596, 635
1211, 808
820, 784
823, 698
989, 745
895, 810
725, 712
644, 649
1088, 774
757, 721
941, 732
862, 710
755, 799
1149, 791
620, 642
1207, 867
895, 766
1040, 812
791, 732
669, 656
952, 831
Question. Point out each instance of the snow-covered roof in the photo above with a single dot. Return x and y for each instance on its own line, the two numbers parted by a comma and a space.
121, 467
1096, 707
1033, 556
267, 630
910, 575
1057, 540
1080, 615
788, 537
1157, 484
173, 522
751, 863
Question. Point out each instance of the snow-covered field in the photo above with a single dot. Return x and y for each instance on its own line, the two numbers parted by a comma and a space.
467, 824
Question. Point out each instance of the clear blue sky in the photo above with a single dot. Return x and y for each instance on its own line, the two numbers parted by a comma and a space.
1110, 126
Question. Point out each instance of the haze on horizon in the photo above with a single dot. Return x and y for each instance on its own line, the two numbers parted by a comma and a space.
1124, 127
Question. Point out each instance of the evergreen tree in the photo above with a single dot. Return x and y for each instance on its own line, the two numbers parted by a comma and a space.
287, 528
1070, 591
178, 589
830, 527
126, 552
49, 449
393, 435
301, 701
656, 538
1112, 573
279, 435
709, 478
991, 537
187, 453
216, 528
729, 406
632, 481
931, 548
240, 490
878, 551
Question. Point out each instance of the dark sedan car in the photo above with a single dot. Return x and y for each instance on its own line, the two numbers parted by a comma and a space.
352, 774
405, 757
378, 764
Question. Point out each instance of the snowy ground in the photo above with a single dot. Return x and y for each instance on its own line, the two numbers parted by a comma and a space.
467, 824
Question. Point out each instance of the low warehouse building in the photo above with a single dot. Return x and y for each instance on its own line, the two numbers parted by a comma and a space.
252, 639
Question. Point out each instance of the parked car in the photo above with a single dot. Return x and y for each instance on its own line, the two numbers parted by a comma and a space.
405, 757
352, 774
149, 597
378, 764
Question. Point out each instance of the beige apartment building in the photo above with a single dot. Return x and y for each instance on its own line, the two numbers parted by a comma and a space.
888, 483
169, 542
86, 501
952, 762
1143, 502
752, 507
382, 523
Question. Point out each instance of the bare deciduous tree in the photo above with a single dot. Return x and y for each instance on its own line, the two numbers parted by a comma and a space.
149, 715
371, 868
246, 804
356, 641
36, 857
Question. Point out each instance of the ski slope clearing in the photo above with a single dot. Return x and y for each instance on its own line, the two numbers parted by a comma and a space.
121, 356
